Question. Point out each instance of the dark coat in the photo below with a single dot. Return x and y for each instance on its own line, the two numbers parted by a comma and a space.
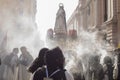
35, 65
118, 78
41, 74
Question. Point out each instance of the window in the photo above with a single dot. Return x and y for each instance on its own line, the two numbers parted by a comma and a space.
105, 10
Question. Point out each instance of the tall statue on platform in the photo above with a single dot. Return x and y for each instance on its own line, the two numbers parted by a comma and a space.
60, 28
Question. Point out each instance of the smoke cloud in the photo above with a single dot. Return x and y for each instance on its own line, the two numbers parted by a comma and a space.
79, 51
20, 30
88, 44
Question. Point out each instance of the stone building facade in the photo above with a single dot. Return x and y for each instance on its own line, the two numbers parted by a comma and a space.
17, 17
103, 15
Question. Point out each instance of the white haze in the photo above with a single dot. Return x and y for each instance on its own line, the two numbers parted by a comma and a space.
88, 44
25, 33
20, 31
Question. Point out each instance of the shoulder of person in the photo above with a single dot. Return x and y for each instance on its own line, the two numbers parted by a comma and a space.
29, 55
40, 71
39, 74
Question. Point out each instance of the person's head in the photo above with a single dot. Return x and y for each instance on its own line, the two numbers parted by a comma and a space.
97, 58
54, 58
15, 50
39, 61
41, 55
42, 52
23, 49
94, 60
107, 60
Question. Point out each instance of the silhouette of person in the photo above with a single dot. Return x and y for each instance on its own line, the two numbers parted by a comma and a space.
11, 61
95, 70
116, 70
24, 61
108, 68
39, 61
54, 70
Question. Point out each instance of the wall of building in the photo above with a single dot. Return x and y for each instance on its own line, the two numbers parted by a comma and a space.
103, 15
17, 17
118, 18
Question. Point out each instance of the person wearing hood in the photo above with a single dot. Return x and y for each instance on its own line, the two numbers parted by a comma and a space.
54, 70
39, 61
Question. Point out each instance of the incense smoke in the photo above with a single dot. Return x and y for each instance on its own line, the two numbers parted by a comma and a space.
19, 30
88, 44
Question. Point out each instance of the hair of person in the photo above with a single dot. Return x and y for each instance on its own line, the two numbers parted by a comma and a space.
54, 58
42, 52
23, 47
107, 60
14, 49
39, 61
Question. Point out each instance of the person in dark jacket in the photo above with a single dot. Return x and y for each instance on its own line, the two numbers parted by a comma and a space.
25, 61
116, 71
54, 70
39, 61
108, 68
95, 70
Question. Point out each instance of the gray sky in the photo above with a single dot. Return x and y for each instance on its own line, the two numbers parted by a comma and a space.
46, 13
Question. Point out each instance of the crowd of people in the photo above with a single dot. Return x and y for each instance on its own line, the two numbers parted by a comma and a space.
14, 67
50, 65
95, 70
